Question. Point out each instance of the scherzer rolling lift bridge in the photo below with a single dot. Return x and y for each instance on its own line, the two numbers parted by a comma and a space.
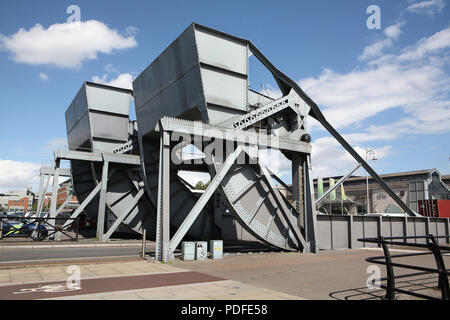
197, 93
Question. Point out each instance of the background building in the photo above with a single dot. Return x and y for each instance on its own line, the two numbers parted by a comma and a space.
17, 200
409, 186
66, 191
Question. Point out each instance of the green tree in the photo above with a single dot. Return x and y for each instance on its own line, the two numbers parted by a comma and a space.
202, 186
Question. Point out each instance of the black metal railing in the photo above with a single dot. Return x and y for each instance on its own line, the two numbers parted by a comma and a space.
433, 248
38, 229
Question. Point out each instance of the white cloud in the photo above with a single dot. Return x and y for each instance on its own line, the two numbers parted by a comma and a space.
275, 161
391, 33
326, 148
65, 45
131, 30
429, 7
43, 77
18, 175
394, 31
414, 80
427, 46
124, 80
353, 97
273, 93
110, 69
375, 49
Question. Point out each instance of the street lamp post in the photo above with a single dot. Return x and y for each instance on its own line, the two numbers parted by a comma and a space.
369, 153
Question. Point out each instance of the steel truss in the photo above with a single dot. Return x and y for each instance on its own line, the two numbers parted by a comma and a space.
131, 162
247, 143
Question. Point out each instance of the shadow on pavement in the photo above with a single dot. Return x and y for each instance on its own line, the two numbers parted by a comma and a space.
425, 285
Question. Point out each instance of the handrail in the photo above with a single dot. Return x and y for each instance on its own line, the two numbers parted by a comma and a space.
434, 249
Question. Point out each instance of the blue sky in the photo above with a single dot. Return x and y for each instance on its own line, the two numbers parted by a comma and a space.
382, 88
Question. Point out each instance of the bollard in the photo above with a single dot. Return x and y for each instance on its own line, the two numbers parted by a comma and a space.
144, 242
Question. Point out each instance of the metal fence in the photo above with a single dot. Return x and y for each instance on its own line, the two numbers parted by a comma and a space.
343, 231
432, 247
38, 229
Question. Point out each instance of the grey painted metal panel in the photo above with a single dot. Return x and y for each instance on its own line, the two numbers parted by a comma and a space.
108, 119
219, 114
441, 229
359, 231
70, 117
410, 229
432, 227
224, 90
80, 103
223, 54
171, 85
174, 83
332, 232
108, 100
174, 100
107, 126
221, 51
421, 229
324, 225
340, 232
397, 226
367, 227
83, 131
386, 227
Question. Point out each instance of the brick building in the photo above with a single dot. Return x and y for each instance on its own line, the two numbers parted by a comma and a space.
17, 200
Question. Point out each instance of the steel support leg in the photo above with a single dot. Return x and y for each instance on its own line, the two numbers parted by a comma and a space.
297, 188
310, 207
40, 207
163, 213
54, 195
41, 192
55, 190
102, 202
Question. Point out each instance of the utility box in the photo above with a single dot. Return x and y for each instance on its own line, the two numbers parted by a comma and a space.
216, 248
201, 250
187, 250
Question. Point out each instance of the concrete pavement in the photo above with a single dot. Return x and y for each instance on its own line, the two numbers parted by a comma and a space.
328, 275
137, 280
339, 274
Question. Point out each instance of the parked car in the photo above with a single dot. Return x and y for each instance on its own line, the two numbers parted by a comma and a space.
15, 227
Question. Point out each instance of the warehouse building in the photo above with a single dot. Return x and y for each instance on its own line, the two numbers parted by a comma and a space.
411, 187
